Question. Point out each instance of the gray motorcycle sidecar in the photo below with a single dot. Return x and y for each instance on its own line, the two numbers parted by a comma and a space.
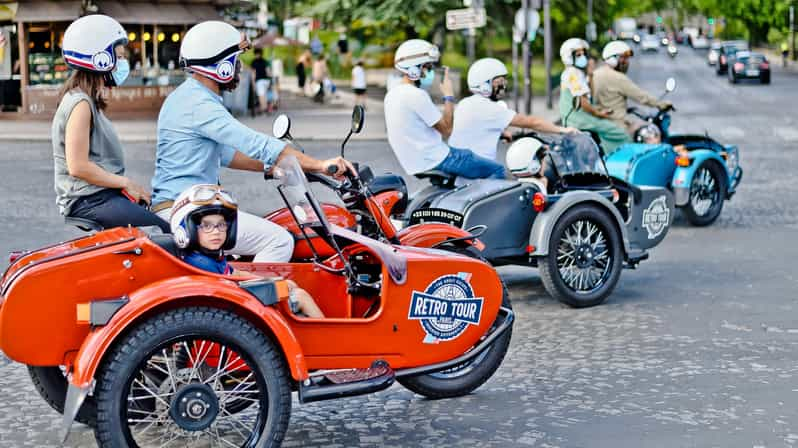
580, 240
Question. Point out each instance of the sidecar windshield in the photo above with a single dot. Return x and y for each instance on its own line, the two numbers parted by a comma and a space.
297, 194
576, 154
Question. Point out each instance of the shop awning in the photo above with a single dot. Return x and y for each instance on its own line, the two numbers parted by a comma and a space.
7, 12
144, 13
47, 11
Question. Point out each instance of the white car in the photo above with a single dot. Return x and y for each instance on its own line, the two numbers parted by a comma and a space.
700, 43
649, 42
713, 54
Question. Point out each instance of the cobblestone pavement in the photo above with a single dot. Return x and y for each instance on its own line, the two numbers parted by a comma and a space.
696, 348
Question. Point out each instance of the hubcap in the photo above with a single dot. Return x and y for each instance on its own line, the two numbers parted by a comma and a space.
583, 258
194, 407
704, 192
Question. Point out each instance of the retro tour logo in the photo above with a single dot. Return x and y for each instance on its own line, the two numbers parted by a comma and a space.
656, 217
446, 308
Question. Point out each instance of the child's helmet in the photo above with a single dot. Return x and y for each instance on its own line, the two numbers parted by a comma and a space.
192, 205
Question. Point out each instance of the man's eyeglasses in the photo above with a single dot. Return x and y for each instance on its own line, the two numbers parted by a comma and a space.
208, 227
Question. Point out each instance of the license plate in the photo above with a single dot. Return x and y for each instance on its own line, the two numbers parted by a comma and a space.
752, 73
436, 215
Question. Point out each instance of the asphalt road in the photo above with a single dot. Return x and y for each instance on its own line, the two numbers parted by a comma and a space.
696, 348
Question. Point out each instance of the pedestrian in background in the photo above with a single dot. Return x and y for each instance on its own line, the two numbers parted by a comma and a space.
261, 67
359, 83
785, 51
302, 65
319, 75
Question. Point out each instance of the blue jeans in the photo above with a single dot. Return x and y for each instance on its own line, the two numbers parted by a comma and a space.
465, 163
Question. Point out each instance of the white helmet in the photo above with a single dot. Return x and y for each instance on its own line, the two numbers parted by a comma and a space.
521, 158
211, 49
192, 205
613, 50
412, 55
568, 48
89, 43
481, 74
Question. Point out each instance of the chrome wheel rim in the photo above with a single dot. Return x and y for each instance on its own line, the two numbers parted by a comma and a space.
583, 256
704, 192
183, 393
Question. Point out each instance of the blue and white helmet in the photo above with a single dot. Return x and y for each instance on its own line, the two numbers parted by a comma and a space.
89, 43
211, 49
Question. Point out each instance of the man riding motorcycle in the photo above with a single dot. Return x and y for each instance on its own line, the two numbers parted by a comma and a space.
573, 84
612, 88
480, 119
197, 136
415, 126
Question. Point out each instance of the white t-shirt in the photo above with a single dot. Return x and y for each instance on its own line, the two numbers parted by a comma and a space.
409, 117
358, 78
478, 125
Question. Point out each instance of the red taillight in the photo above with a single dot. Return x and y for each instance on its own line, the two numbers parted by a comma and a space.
538, 202
682, 161
14, 256
530, 249
764, 66
738, 67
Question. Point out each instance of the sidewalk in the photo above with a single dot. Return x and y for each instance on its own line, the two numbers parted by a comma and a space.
309, 121
774, 57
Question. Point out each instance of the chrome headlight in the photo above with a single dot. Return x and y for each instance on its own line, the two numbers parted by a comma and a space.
732, 158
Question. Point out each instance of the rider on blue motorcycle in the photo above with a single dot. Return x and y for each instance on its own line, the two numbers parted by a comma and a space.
612, 88
481, 119
573, 83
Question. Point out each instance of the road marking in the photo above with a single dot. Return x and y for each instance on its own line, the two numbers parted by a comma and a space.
789, 134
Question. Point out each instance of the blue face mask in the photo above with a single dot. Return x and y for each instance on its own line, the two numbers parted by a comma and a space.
426, 81
581, 61
122, 71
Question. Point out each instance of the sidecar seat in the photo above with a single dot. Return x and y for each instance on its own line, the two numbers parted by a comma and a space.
438, 178
166, 242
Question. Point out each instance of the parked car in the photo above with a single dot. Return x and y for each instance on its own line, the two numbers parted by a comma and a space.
649, 42
749, 65
714, 52
728, 50
699, 43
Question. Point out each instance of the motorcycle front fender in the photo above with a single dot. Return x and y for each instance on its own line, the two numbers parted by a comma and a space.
432, 234
683, 175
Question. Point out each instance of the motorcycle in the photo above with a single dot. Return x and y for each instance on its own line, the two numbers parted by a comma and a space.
579, 232
673, 50
701, 178
167, 351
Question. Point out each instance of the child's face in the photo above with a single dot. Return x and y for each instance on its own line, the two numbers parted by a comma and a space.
212, 231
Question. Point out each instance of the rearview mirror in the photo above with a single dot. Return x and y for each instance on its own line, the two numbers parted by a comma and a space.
281, 126
358, 118
670, 85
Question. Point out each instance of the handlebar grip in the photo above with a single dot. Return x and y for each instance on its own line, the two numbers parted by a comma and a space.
331, 169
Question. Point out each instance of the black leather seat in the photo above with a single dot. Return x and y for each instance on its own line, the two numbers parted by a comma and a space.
166, 242
438, 178
87, 225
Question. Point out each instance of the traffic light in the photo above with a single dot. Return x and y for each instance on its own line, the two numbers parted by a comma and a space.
659, 19
711, 20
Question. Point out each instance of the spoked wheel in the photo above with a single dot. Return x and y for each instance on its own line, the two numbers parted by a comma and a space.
585, 257
149, 395
706, 195
464, 378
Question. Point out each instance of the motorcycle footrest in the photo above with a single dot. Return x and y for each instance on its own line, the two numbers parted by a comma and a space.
347, 384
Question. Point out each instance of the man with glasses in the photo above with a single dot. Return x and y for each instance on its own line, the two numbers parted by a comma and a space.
417, 128
197, 135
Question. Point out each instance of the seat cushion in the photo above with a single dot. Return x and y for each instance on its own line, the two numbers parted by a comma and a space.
166, 242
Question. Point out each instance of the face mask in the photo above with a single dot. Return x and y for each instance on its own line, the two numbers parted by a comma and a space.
122, 71
426, 81
580, 62
498, 92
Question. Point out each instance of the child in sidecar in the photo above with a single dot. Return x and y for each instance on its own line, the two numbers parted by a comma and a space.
204, 223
